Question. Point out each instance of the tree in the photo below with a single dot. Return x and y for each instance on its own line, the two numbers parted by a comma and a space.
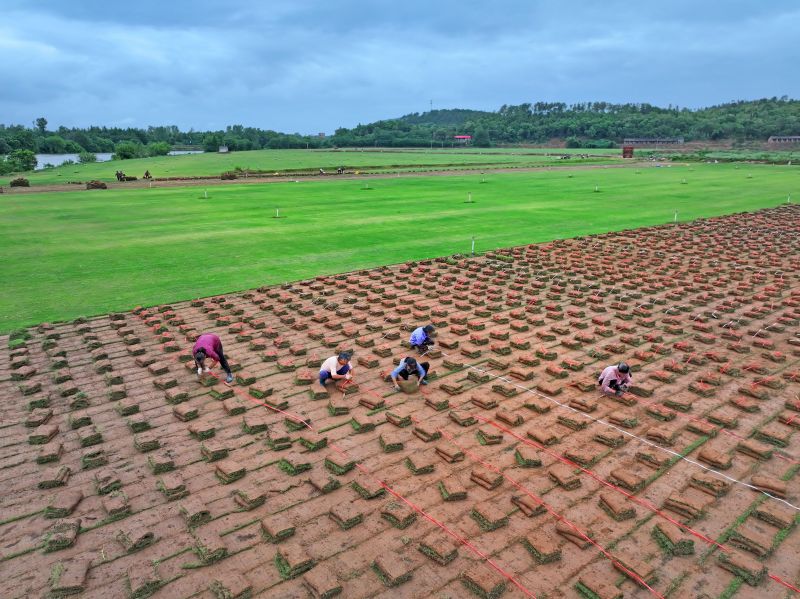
158, 148
481, 138
72, 148
128, 149
53, 144
5, 166
22, 160
212, 142
41, 124
23, 140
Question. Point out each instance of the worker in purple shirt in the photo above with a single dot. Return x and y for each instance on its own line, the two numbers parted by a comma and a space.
615, 379
421, 338
208, 345
409, 366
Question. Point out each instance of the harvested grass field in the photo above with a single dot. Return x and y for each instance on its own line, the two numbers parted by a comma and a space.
298, 161
510, 474
84, 253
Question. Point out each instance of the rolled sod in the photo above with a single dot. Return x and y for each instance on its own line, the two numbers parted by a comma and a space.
61, 535
338, 466
670, 543
288, 571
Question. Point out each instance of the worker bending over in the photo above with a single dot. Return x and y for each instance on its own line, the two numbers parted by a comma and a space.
421, 338
208, 345
615, 379
409, 366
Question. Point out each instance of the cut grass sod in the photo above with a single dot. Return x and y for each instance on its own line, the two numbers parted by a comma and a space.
310, 161
84, 253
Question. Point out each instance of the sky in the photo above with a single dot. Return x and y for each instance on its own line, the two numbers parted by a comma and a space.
311, 66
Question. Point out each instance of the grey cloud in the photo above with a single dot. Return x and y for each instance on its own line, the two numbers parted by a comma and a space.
313, 66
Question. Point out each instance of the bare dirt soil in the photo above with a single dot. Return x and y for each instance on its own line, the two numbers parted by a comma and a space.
205, 182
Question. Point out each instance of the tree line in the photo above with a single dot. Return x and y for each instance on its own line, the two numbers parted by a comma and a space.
586, 124
589, 124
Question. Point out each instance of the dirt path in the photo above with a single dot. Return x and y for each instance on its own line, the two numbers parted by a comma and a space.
142, 184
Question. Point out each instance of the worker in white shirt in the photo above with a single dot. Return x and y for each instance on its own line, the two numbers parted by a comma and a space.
336, 368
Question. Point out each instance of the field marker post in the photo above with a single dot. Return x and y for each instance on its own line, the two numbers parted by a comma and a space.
789, 199
277, 212
675, 220
473, 245
205, 193
469, 197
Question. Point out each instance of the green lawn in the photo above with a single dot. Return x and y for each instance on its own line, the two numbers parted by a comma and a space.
84, 253
282, 161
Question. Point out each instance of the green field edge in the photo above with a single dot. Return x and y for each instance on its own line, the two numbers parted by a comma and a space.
512, 210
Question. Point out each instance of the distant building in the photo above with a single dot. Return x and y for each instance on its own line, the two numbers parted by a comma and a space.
627, 151
784, 139
652, 141
223, 150
462, 139
320, 134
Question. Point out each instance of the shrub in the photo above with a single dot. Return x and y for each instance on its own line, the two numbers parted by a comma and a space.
20, 182
22, 160
158, 148
128, 149
127, 178
72, 147
87, 157
96, 185
228, 175
53, 144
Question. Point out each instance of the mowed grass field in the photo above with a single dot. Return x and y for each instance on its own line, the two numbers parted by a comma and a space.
83, 253
283, 161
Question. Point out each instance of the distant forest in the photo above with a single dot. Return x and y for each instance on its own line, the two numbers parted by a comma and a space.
590, 124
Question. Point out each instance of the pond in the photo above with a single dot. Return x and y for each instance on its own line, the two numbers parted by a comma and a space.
59, 159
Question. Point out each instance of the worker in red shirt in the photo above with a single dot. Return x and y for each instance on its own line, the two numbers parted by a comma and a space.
208, 345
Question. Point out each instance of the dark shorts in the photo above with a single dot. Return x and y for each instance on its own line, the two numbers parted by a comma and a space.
324, 375
404, 374
614, 384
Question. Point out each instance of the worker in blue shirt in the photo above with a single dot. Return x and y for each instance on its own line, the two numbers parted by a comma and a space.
409, 366
421, 338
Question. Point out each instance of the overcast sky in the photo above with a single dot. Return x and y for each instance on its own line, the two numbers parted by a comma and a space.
306, 66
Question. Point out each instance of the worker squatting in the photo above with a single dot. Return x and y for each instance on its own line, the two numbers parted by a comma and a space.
614, 380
